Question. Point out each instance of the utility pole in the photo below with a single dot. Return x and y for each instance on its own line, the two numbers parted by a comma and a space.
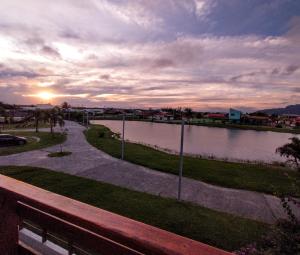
87, 118
123, 139
83, 118
181, 159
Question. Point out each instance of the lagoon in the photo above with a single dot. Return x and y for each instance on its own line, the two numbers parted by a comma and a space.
222, 143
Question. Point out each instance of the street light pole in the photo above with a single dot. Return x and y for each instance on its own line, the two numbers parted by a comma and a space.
181, 160
123, 141
87, 118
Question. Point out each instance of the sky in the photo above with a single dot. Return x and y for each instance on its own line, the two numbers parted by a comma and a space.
203, 54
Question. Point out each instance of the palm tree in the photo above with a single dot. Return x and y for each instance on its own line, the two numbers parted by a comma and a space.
188, 112
291, 151
3, 113
65, 106
54, 116
37, 116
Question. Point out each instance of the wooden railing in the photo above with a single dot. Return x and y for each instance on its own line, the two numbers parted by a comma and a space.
81, 225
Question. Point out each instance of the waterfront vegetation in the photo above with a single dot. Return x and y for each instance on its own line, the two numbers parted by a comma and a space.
215, 228
35, 141
250, 127
270, 179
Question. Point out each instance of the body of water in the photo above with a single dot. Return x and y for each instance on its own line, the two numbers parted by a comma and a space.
232, 144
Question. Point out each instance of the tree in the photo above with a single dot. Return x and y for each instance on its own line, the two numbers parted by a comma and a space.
188, 112
54, 116
291, 151
3, 113
65, 105
37, 116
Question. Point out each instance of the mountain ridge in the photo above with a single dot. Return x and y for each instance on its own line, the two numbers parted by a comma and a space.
290, 109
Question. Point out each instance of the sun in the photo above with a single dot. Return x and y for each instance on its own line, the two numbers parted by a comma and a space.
45, 95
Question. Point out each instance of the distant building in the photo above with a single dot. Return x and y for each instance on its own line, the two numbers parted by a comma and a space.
235, 115
38, 106
44, 106
217, 116
163, 116
257, 120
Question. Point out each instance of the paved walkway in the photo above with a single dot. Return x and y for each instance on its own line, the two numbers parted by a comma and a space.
89, 162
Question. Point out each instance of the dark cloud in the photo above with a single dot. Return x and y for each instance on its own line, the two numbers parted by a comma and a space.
291, 69
49, 51
69, 34
252, 74
7, 73
162, 63
105, 77
34, 41
275, 71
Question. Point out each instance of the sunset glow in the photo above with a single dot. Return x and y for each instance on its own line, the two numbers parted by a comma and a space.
45, 95
199, 53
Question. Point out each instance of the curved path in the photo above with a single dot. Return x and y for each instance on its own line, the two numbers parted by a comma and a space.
92, 163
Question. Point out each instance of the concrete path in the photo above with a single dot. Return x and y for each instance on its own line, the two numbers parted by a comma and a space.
92, 163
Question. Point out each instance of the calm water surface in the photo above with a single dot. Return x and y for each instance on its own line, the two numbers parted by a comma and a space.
219, 142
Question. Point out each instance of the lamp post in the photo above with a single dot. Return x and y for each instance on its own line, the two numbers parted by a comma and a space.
181, 159
123, 141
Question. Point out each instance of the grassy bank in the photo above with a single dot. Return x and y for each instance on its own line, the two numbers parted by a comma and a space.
262, 178
250, 127
205, 225
35, 141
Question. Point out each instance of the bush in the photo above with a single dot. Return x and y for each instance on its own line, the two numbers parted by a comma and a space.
101, 134
283, 239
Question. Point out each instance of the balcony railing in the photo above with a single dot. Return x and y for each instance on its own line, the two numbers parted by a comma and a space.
79, 228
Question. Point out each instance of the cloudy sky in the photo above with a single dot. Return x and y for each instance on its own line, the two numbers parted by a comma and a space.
205, 54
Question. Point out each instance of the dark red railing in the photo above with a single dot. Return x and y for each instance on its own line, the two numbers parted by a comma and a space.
82, 225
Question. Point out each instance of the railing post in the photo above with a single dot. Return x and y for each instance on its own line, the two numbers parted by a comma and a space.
44, 235
70, 248
9, 222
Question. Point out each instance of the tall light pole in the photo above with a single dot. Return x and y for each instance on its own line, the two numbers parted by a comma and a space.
181, 159
87, 118
123, 141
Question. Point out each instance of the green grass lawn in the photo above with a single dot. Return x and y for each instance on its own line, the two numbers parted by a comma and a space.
215, 228
262, 178
46, 139
59, 154
27, 125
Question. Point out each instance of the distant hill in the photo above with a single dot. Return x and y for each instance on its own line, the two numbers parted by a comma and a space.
290, 109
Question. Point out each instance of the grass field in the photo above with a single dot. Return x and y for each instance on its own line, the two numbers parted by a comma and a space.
27, 125
215, 228
59, 154
35, 141
262, 178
